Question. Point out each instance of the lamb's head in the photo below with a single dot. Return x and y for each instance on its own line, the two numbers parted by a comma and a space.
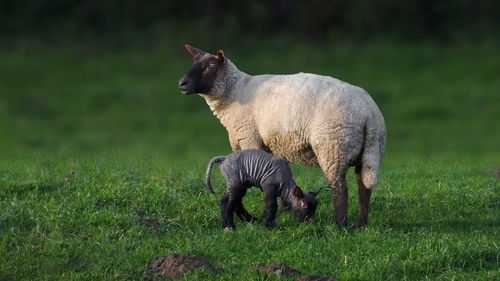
304, 204
204, 72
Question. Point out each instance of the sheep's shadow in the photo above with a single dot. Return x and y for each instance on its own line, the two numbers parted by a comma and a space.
403, 217
445, 225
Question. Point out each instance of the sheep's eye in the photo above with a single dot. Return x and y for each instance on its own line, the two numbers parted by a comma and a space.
211, 65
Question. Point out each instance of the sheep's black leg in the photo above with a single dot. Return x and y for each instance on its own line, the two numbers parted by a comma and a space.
271, 206
340, 196
364, 200
335, 171
338, 183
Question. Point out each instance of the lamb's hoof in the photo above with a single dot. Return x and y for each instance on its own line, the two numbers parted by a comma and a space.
229, 228
270, 226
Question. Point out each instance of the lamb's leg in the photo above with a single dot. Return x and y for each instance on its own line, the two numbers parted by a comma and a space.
240, 210
232, 199
242, 213
364, 199
227, 212
271, 206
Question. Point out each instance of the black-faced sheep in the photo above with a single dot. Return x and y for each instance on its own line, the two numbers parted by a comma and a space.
252, 167
305, 118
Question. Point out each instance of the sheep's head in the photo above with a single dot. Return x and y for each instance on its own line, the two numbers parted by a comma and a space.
203, 73
304, 204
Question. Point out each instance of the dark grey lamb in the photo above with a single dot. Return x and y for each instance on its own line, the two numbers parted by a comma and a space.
252, 167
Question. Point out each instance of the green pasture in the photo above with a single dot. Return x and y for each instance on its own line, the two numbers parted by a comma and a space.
102, 164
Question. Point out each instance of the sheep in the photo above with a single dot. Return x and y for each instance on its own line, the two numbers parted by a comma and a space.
252, 167
304, 118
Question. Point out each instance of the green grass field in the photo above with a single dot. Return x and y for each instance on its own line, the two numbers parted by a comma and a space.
102, 166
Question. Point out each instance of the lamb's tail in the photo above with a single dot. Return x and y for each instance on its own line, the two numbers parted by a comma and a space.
373, 151
214, 160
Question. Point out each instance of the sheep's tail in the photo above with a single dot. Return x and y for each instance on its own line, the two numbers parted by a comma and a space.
373, 152
212, 161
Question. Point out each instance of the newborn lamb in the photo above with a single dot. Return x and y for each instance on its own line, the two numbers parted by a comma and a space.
252, 167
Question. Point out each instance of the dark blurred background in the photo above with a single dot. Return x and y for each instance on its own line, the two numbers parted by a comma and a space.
411, 20
91, 76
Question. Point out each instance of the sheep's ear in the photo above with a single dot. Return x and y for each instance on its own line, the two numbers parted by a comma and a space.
220, 55
315, 193
298, 192
194, 51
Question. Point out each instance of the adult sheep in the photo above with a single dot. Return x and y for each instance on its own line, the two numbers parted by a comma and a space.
305, 118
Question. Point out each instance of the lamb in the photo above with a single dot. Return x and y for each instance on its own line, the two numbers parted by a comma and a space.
304, 118
251, 167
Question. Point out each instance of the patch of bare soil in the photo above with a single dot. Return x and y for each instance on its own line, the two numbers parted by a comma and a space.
496, 172
315, 278
288, 271
279, 266
174, 265
149, 222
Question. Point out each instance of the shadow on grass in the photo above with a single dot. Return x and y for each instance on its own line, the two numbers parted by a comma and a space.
458, 213
471, 261
40, 188
450, 221
447, 225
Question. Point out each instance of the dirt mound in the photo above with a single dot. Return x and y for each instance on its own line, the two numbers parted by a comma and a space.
174, 265
288, 271
279, 266
315, 278
496, 172
149, 222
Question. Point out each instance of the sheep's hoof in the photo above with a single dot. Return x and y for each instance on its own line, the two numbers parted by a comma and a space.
361, 222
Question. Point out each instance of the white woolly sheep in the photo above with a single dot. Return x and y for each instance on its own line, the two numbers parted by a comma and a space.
305, 118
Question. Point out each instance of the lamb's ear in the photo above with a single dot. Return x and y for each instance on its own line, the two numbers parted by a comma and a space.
315, 193
220, 56
298, 192
194, 51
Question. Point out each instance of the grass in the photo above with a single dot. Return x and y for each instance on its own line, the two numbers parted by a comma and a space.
103, 160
